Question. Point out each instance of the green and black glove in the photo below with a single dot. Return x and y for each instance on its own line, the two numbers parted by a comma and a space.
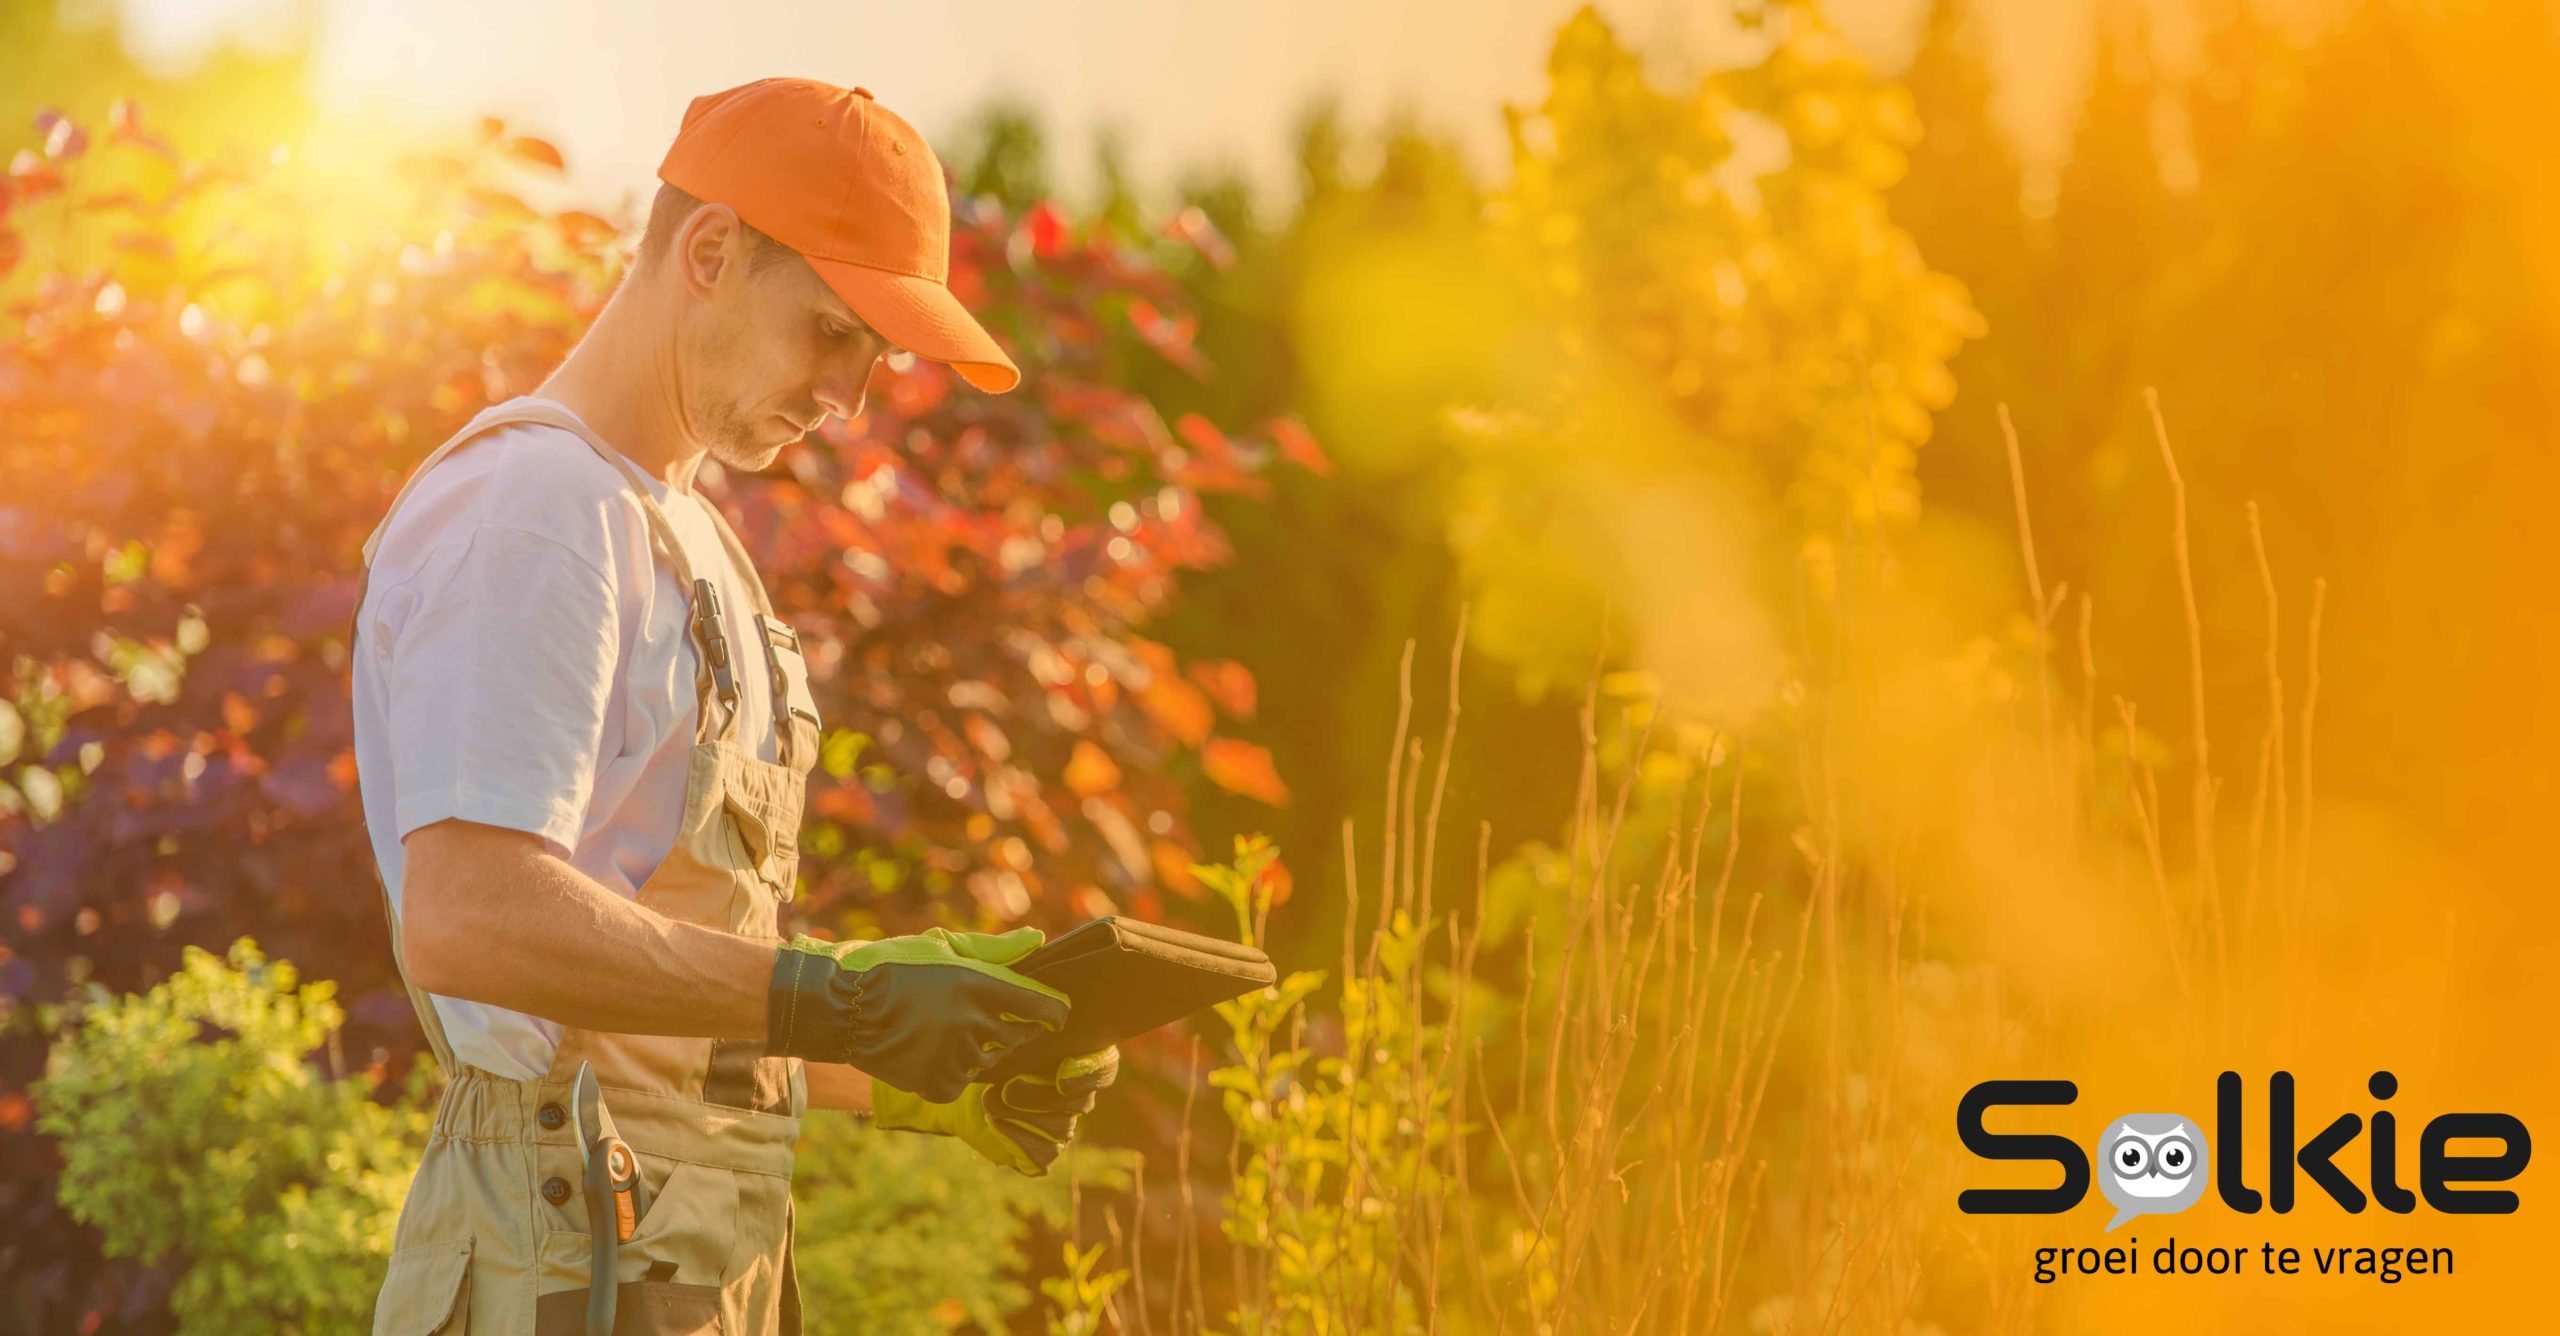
923, 1014
1022, 1122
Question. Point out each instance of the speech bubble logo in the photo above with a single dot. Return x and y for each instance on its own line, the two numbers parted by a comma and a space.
2152, 1164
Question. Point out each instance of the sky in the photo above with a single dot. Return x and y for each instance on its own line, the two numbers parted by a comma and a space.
1187, 83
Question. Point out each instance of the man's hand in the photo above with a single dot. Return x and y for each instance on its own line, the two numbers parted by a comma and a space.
1023, 1122
922, 1014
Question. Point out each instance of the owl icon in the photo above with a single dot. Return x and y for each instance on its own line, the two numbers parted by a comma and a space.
2152, 1164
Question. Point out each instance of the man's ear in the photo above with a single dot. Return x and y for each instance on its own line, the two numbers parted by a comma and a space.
711, 240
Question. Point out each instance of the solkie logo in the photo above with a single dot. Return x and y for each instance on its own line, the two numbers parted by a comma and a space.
2158, 1163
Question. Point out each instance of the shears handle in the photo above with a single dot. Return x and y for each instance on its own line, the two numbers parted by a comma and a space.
605, 1234
613, 1188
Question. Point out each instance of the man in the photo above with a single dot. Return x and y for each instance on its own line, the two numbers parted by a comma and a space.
582, 737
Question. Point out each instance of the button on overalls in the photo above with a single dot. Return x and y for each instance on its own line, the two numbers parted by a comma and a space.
493, 1239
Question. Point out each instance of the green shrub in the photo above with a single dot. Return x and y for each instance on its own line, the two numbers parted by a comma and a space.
196, 1129
1080, 1296
1337, 1159
902, 1234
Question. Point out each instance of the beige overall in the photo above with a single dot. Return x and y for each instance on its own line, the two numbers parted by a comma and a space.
493, 1239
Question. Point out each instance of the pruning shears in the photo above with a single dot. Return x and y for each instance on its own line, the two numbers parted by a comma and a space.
612, 1189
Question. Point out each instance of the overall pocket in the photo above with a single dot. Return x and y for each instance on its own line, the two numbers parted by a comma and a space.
769, 838
423, 1292
670, 1271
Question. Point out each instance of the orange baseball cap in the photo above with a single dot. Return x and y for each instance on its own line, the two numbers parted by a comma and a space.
857, 192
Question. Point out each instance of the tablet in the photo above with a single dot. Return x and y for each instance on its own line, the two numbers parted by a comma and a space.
1123, 978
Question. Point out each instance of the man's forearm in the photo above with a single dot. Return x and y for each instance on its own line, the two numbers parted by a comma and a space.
492, 916
833, 1085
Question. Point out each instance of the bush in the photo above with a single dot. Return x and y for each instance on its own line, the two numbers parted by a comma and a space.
908, 1235
197, 1129
1338, 1159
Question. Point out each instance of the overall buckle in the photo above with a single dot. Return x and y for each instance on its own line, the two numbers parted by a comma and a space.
708, 629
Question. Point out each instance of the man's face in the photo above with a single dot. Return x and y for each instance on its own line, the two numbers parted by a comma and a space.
767, 352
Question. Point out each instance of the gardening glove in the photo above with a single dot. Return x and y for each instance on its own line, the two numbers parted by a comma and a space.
922, 1014
1022, 1122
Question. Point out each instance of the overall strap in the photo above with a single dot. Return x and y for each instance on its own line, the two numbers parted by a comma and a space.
787, 743
738, 557
786, 749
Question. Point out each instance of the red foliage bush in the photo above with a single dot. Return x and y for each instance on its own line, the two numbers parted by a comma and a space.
214, 377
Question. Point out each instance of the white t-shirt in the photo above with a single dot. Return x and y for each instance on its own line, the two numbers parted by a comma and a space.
524, 661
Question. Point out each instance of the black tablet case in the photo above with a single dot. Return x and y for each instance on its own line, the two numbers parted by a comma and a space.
1124, 978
